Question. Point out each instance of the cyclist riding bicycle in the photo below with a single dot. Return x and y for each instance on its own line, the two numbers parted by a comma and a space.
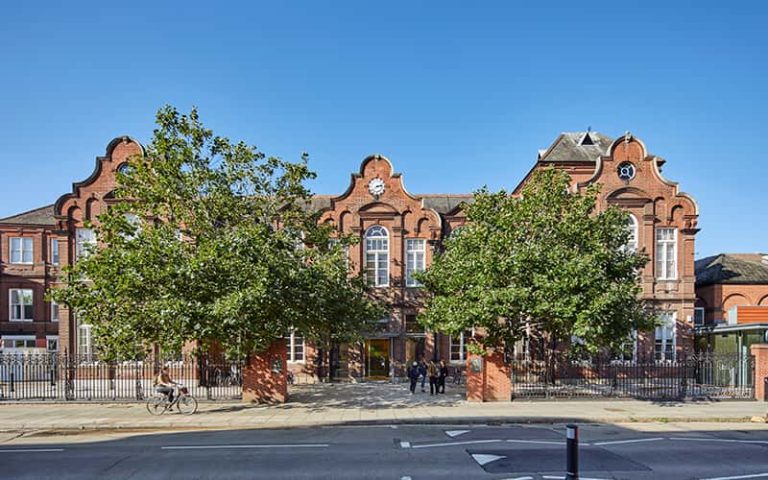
164, 384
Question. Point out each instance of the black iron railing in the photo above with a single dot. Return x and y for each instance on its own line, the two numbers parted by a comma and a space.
698, 376
86, 377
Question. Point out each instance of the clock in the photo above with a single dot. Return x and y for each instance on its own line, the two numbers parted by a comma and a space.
376, 187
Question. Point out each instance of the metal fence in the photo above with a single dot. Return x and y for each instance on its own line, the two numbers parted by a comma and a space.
698, 376
87, 378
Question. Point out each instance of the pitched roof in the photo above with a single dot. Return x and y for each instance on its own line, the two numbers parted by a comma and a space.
38, 216
576, 147
733, 268
443, 204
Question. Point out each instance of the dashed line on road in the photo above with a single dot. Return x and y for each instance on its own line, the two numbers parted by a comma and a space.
31, 450
451, 444
620, 442
214, 447
405, 444
739, 477
539, 442
725, 440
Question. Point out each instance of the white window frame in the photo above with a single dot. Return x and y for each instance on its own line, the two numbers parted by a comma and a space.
415, 260
84, 245
463, 342
634, 232
376, 256
702, 311
20, 295
667, 334
631, 339
26, 245
14, 338
48, 339
666, 261
291, 345
84, 332
55, 251
55, 308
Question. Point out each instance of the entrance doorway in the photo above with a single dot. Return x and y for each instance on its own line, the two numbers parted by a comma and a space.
415, 347
377, 358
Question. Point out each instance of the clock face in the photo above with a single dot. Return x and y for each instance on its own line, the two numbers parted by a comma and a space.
626, 171
376, 187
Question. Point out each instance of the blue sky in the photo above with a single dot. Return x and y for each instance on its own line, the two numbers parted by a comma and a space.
456, 94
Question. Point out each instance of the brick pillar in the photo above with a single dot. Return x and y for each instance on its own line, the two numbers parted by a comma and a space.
265, 377
760, 352
493, 382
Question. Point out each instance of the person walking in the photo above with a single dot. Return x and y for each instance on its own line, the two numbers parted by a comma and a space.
413, 376
443, 372
433, 373
423, 373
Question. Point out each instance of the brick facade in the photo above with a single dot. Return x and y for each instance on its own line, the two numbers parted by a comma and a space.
377, 198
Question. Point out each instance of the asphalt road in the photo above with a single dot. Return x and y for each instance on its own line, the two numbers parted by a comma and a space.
392, 452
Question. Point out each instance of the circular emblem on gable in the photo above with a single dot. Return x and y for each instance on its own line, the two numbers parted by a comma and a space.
376, 187
626, 171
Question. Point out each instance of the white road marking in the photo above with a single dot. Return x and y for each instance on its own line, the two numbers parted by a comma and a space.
456, 433
739, 477
450, 444
726, 440
204, 447
484, 459
540, 442
637, 440
31, 450
406, 478
405, 444
518, 478
552, 477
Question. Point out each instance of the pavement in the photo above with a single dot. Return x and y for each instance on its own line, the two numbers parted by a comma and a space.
637, 451
374, 403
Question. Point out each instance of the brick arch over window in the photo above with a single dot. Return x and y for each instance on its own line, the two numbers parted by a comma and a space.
763, 301
734, 300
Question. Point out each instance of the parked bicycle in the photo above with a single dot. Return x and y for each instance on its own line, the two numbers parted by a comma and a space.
184, 402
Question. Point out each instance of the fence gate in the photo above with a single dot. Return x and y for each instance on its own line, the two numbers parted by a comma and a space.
698, 376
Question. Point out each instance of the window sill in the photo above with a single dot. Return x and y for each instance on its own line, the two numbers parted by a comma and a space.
25, 320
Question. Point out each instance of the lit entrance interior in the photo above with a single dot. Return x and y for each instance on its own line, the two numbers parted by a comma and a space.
377, 358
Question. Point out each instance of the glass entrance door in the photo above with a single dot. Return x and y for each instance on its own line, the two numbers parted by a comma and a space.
377, 358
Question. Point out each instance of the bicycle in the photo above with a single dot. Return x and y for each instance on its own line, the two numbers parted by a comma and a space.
182, 400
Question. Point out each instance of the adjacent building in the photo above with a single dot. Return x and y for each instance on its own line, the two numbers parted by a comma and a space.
399, 233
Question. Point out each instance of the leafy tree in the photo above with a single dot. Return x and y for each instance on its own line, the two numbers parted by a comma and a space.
546, 261
213, 242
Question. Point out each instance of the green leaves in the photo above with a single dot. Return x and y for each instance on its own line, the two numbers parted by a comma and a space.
215, 256
546, 262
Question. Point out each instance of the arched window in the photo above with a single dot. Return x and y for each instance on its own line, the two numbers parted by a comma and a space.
377, 256
633, 235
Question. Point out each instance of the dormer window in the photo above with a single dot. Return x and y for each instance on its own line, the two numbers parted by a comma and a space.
586, 140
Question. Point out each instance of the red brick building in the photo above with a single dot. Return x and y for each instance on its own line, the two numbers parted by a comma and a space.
399, 233
732, 302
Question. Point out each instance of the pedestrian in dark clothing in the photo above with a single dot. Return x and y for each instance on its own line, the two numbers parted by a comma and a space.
423, 374
413, 376
441, 376
433, 373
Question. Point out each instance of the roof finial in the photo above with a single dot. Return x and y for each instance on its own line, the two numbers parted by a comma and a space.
627, 137
589, 129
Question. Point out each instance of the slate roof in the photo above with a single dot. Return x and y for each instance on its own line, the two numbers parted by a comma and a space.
574, 147
443, 204
733, 268
38, 216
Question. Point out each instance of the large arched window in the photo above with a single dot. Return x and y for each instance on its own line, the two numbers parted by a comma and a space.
377, 256
633, 234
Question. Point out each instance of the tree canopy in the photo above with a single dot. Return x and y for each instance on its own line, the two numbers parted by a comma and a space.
213, 241
546, 262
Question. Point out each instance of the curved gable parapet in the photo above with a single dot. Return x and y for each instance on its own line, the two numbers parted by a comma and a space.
120, 149
375, 166
655, 162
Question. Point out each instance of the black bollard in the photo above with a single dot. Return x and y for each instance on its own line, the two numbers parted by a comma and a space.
572, 452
